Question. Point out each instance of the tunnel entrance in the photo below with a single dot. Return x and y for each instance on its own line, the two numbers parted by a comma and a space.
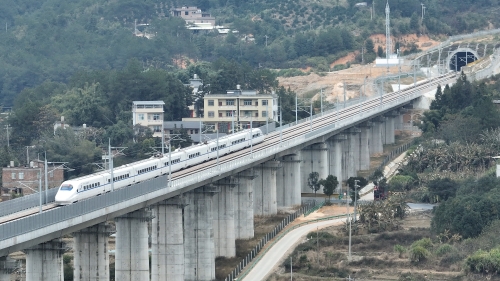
461, 59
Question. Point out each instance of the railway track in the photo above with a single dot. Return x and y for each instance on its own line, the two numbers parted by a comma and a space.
277, 136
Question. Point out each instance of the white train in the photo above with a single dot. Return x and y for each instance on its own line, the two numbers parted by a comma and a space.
77, 189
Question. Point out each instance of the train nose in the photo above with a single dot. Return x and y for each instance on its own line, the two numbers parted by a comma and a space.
63, 197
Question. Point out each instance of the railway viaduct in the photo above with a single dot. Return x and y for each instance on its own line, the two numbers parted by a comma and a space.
198, 213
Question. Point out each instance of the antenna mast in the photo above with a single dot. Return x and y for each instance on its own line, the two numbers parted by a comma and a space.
388, 42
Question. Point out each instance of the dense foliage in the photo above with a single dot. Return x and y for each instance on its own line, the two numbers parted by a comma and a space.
53, 39
451, 163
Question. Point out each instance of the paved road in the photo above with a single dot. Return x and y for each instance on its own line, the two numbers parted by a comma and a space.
275, 255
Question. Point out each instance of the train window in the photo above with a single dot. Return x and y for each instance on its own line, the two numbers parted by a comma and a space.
66, 187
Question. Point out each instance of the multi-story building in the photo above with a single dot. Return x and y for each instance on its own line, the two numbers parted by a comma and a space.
238, 107
148, 114
193, 15
25, 180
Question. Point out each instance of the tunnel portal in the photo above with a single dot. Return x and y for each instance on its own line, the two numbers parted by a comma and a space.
461, 58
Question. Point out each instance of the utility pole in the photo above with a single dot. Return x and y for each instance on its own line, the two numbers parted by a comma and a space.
343, 82
355, 197
423, 10
267, 117
7, 127
317, 244
266, 39
321, 97
296, 110
291, 269
362, 54
110, 163
281, 126
46, 179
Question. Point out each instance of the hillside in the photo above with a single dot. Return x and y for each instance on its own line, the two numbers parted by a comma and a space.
54, 39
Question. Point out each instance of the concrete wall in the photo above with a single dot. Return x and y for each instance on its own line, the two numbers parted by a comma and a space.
91, 253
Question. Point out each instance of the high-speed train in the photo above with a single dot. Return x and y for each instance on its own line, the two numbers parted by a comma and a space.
80, 188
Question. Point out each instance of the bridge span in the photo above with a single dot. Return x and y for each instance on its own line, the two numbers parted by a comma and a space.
198, 213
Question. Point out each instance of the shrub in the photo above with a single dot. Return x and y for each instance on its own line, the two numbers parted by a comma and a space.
444, 249
425, 243
418, 254
400, 249
484, 262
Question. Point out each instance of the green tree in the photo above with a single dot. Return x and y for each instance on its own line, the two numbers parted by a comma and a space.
329, 185
354, 191
313, 182
380, 52
415, 23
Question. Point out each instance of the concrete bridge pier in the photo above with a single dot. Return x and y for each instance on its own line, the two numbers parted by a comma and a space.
389, 129
243, 200
352, 161
398, 121
288, 181
376, 144
44, 262
199, 251
365, 138
91, 253
223, 223
265, 188
132, 253
167, 240
314, 159
335, 157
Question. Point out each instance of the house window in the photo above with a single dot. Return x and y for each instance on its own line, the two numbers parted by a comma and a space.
247, 102
211, 114
141, 116
264, 113
229, 114
21, 175
13, 176
51, 174
264, 102
191, 132
186, 13
220, 114
157, 129
156, 116
171, 131
247, 113
210, 102
229, 102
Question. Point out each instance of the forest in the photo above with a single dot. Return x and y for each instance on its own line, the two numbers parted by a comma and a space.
51, 40
80, 59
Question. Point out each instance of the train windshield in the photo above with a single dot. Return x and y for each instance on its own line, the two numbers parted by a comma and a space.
66, 187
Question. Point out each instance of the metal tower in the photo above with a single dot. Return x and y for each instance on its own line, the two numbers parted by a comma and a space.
388, 42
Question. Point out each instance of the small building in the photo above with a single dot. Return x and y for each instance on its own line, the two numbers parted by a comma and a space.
171, 127
148, 114
238, 107
192, 128
25, 180
194, 16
